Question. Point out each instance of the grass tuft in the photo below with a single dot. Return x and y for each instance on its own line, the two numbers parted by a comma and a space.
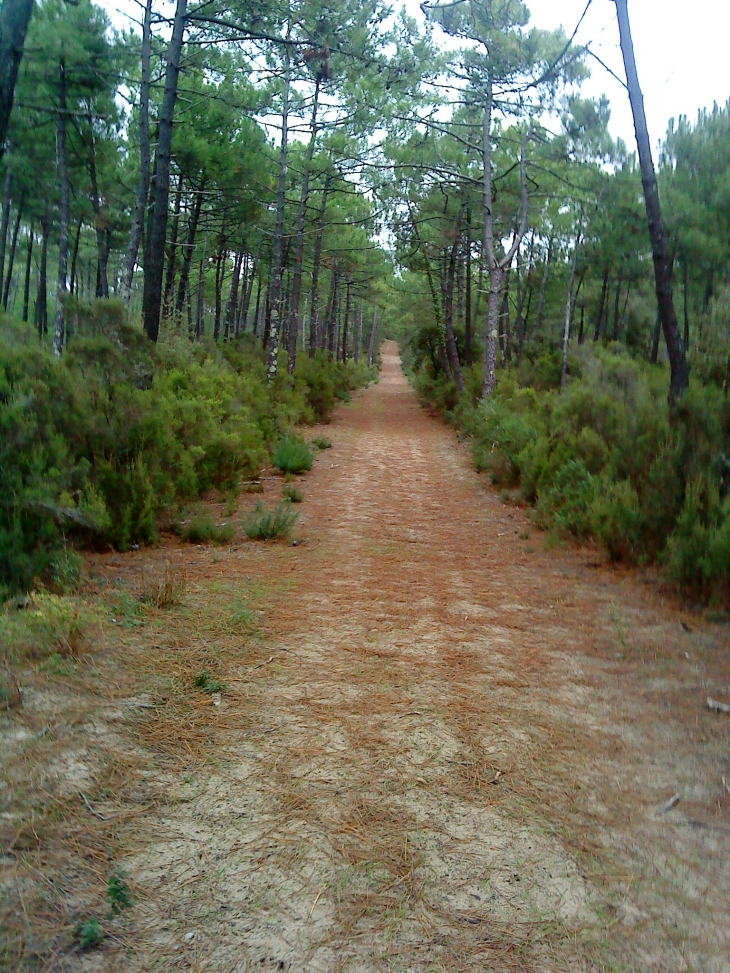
202, 528
118, 891
88, 934
164, 588
263, 525
291, 493
321, 442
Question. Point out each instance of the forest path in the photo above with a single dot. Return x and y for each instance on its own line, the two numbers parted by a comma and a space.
444, 750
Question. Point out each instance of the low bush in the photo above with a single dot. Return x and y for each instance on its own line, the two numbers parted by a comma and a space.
604, 458
321, 442
207, 683
164, 587
48, 624
202, 527
292, 455
291, 493
263, 525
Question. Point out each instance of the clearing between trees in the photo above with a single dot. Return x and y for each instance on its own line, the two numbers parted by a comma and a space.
432, 744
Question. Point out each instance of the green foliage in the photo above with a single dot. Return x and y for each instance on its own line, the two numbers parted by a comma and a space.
605, 459
202, 527
118, 891
207, 683
291, 493
263, 525
96, 446
49, 624
321, 442
292, 455
88, 934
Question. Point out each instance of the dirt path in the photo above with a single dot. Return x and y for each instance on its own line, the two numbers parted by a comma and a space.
445, 749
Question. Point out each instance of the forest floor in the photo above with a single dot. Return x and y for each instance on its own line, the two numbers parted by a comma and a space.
438, 746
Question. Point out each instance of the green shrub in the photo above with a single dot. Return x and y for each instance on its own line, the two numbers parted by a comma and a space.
262, 524
118, 891
292, 455
48, 624
321, 442
88, 934
565, 505
202, 527
207, 683
291, 493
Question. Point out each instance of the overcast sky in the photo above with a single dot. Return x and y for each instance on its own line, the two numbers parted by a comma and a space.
681, 54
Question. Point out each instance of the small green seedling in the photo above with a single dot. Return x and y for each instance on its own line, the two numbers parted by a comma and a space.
205, 681
88, 934
118, 891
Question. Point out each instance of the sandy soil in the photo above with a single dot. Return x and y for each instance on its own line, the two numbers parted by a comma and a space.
438, 746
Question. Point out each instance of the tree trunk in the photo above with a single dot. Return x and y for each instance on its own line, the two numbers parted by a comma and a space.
200, 308
182, 287
656, 332
74, 258
13, 245
155, 249
102, 281
7, 186
616, 302
497, 261
299, 248
660, 251
331, 312
231, 310
371, 342
345, 326
581, 333
14, 19
357, 336
258, 305
218, 289
172, 251
602, 305
685, 289
143, 188
275, 287
543, 284
58, 323
504, 320
569, 310
449, 314
41, 300
28, 265
467, 309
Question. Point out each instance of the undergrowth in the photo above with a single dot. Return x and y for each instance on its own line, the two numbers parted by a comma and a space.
264, 524
607, 459
97, 446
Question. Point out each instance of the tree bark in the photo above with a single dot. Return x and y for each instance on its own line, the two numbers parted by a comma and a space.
679, 380
331, 312
616, 302
13, 245
41, 300
155, 249
219, 264
26, 284
467, 308
543, 284
602, 305
183, 284
172, 251
14, 20
143, 188
449, 313
275, 288
569, 310
345, 326
102, 280
299, 251
229, 330
64, 214
496, 264
504, 320
371, 342
7, 186
74, 258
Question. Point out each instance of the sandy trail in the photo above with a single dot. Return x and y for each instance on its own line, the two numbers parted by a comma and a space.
445, 751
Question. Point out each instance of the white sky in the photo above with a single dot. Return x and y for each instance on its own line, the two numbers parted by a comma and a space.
681, 54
